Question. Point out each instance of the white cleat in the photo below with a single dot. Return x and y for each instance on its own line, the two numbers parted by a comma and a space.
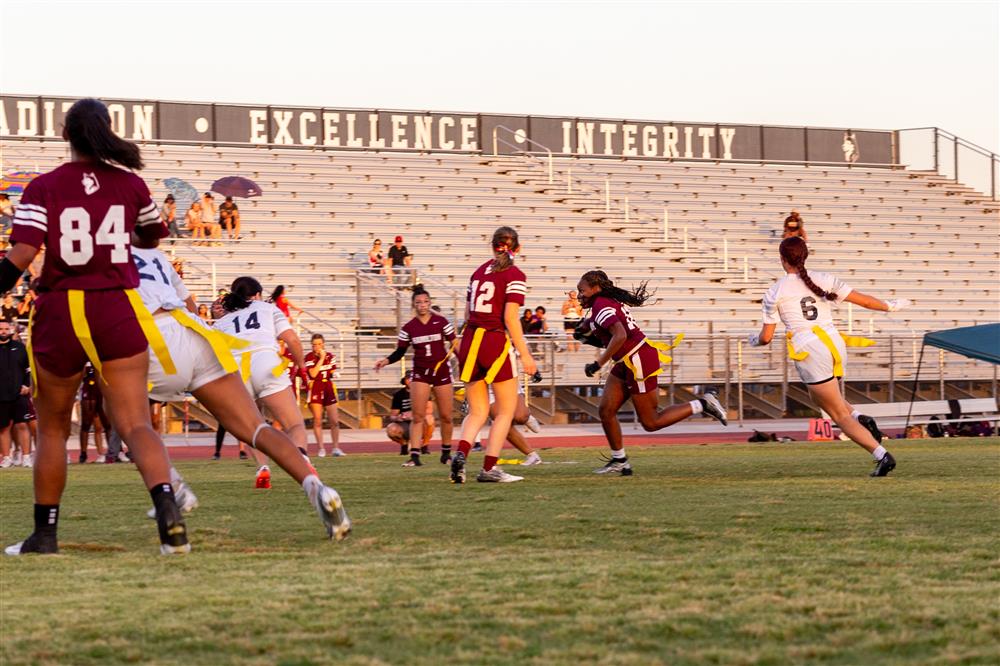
337, 452
713, 407
497, 475
533, 425
6, 462
532, 459
28, 461
330, 508
322, 453
99, 460
17, 460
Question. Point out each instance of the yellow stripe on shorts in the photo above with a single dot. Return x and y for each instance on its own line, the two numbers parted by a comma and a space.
838, 362
152, 332
78, 318
31, 356
221, 343
498, 363
470, 360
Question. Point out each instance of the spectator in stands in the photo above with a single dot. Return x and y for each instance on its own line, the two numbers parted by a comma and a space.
193, 221
8, 311
282, 303
376, 260
934, 428
527, 321
541, 323
399, 260
572, 313
400, 417
178, 265
208, 210
229, 216
169, 214
27, 303
794, 226
204, 314
6, 213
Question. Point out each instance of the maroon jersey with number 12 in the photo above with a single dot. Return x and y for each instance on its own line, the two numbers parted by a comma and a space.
83, 213
489, 293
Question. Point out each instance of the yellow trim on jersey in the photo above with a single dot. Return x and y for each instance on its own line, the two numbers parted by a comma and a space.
470, 360
78, 318
31, 356
245, 366
498, 363
281, 367
849, 341
222, 343
151, 331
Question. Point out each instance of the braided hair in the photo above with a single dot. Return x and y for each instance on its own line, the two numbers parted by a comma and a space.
795, 252
635, 298
241, 293
505, 243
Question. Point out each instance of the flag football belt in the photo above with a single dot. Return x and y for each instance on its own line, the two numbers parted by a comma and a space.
824, 337
245, 358
221, 343
661, 351
470, 361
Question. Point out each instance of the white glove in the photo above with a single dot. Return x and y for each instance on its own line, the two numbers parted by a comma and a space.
754, 340
895, 305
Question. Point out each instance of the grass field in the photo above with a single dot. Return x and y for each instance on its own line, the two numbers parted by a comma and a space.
743, 554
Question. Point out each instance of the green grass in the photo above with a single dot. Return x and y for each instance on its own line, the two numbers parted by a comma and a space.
751, 554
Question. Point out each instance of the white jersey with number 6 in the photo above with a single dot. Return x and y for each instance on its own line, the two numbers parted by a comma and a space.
792, 303
259, 323
159, 284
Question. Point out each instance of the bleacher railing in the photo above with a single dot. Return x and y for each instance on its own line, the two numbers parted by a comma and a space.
951, 156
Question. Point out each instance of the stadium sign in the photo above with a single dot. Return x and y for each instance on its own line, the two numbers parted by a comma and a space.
374, 129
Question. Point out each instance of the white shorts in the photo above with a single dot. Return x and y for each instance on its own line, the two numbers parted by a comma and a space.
193, 358
262, 381
819, 366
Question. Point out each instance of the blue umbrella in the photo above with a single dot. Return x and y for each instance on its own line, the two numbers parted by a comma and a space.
236, 186
184, 194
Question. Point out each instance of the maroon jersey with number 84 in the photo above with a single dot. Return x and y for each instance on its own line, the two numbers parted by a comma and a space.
83, 213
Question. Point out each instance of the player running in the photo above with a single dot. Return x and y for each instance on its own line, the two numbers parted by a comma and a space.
200, 360
801, 302
92, 414
636, 365
493, 324
431, 336
321, 370
84, 212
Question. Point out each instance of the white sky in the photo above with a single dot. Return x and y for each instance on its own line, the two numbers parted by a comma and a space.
876, 65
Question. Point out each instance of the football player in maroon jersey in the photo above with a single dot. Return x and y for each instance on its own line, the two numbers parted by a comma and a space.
636, 364
83, 213
321, 369
431, 335
493, 325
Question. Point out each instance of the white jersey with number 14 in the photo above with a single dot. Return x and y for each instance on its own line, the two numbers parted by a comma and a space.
259, 323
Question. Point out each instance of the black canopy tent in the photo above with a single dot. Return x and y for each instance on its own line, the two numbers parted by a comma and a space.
978, 342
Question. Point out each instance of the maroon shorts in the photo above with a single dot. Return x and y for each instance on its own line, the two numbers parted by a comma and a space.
427, 375
323, 393
113, 327
485, 355
646, 361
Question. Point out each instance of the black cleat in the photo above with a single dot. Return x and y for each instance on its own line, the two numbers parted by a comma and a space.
477, 447
425, 450
872, 427
173, 531
404, 450
83, 457
619, 466
215, 456
458, 468
445, 456
43, 544
884, 466
243, 455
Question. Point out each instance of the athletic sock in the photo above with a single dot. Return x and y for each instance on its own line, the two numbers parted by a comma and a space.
619, 455
697, 406
303, 452
162, 494
311, 485
46, 518
415, 456
445, 448
489, 462
879, 453
855, 414
464, 447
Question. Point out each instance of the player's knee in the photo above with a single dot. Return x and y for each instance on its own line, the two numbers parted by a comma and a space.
648, 423
606, 412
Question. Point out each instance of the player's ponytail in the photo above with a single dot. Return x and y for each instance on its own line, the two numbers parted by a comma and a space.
795, 252
88, 130
635, 298
505, 243
241, 293
278, 292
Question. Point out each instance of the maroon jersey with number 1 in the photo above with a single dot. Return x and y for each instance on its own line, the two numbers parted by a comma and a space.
83, 213
430, 340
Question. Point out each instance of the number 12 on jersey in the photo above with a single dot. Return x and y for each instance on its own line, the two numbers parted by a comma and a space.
480, 295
